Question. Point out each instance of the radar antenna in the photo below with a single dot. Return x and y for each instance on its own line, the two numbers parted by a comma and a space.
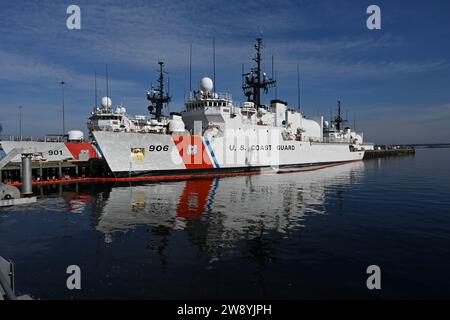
157, 97
255, 80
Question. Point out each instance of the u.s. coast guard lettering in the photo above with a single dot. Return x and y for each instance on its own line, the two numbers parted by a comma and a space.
256, 147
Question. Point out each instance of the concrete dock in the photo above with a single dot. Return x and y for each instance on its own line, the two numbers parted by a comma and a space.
389, 152
48, 171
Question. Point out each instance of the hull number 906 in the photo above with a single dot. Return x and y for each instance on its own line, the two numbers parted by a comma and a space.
158, 148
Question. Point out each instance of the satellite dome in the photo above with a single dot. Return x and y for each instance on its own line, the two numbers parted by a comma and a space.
106, 102
75, 135
206, 84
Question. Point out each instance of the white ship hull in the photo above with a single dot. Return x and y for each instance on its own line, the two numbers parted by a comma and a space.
140, 154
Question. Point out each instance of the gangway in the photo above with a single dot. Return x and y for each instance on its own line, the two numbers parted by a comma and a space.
11, 155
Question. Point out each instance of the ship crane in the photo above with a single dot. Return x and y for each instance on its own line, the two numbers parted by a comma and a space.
157, 97
255, 80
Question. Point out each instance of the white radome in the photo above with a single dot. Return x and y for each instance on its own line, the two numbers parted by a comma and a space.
75, 135
106, 102
121, 110
206, 84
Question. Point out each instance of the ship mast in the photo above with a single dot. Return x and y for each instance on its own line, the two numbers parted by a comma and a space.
157, 97
338, 120
255, 80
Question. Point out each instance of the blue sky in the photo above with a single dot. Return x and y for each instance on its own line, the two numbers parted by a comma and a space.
396, 80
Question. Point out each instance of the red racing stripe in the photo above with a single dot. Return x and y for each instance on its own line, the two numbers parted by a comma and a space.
75, 149
193, 152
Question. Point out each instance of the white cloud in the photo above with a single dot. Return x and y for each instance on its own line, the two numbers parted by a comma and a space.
138, 33
25, 68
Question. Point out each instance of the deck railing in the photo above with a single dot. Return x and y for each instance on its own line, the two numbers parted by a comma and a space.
32, 138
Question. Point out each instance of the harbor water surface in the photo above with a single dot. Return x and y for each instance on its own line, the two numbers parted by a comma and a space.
307, 235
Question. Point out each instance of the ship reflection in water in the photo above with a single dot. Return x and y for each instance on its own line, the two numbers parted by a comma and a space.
218, 212
233, 237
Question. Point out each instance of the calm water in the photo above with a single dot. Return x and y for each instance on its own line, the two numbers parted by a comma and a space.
301, 235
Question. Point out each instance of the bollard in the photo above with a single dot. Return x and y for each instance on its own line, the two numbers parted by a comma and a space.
27, 187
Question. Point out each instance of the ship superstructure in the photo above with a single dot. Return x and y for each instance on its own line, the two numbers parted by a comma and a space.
105, 118
213, 134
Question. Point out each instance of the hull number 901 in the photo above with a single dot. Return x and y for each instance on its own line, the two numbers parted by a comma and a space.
55, 152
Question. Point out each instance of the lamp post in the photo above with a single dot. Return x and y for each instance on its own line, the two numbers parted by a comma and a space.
63, 120
20, 122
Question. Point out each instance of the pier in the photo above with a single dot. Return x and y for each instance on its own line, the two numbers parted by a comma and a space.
45, 172
383, 152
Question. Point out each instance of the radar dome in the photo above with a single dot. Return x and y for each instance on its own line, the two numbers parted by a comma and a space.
75, 135
206, 84
106, 102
